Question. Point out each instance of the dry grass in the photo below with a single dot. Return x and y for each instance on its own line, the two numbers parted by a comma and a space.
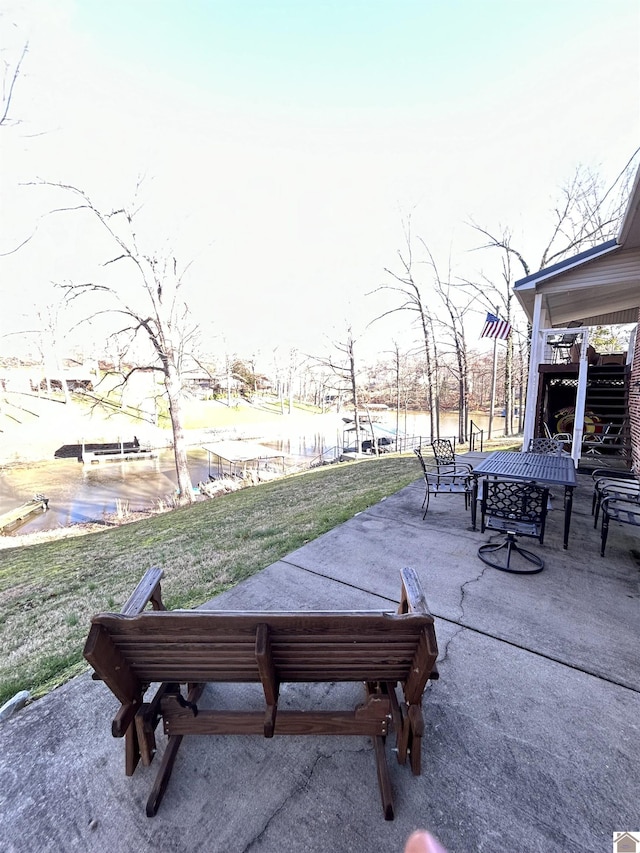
50, 590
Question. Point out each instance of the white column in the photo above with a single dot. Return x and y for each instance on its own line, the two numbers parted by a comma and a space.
581, 399
535, 358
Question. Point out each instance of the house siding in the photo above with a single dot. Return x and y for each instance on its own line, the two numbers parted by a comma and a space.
634, 403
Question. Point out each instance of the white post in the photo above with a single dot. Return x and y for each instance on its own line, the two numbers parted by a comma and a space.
535, 357
581, 399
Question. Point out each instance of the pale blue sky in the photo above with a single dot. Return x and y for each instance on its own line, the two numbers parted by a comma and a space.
283, 141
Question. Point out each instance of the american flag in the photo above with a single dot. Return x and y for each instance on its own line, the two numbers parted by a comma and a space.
494, 327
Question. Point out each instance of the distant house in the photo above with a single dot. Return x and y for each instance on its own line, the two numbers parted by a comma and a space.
599, 287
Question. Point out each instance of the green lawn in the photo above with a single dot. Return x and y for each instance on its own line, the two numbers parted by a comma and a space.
49, 591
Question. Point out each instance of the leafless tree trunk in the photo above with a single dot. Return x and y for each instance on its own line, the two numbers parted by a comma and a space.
152, 307
9, 81
345, 371
454, 325
412, 300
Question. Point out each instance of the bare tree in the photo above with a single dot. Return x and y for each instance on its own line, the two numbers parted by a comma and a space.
454, 326
345, 372
152, 310
413, 299
501, 300
586, 213
10, 74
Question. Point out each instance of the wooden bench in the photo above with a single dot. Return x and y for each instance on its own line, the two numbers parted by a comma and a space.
131, 650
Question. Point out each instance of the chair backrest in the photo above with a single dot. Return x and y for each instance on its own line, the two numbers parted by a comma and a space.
418, 452
550, 446
201, 646
443, 451
510, 505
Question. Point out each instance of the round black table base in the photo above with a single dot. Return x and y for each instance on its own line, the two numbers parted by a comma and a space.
510, 545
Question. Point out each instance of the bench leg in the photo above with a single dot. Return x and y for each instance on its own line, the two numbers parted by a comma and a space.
409, 737
416, 730
131, 749
383, 776
171, 750
164, 773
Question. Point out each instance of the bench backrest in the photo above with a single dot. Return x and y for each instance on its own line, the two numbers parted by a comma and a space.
197, 646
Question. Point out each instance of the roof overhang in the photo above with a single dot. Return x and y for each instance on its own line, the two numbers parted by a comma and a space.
597, 287
600, 286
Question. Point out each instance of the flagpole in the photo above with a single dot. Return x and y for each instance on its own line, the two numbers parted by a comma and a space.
493, 386
494, 373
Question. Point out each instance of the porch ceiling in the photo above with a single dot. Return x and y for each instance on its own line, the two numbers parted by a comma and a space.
593, 305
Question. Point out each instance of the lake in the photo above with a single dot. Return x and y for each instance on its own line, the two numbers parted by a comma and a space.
79, 493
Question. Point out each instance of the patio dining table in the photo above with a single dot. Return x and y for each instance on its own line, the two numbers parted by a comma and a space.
540, 468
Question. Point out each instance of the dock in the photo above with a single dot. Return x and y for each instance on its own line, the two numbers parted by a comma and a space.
15, 517
95, 457
121, 451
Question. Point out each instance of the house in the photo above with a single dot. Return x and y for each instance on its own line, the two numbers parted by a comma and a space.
596, 398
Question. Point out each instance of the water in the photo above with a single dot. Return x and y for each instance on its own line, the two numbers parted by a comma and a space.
79, 493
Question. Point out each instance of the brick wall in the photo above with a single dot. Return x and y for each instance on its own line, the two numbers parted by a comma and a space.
634, 403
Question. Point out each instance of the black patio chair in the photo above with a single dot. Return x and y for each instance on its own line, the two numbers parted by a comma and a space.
620, 485
550, 446
444, 455
517, 509
624, 511
444, 479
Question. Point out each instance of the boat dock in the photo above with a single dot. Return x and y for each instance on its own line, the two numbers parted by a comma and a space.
15, 517
121, 451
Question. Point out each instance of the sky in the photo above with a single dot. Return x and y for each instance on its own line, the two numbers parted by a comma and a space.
281, 145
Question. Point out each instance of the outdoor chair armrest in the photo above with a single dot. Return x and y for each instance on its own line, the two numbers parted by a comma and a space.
452, 476
631, 501
456, 469
412, 597
148, 590
612, 474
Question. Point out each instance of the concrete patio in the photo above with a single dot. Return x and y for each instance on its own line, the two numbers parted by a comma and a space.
532, 740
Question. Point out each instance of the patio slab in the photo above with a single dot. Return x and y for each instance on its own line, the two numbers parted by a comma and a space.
532, 732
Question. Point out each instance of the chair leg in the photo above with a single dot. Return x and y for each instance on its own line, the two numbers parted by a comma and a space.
164, 774
605, 532
383, 776
426, 508
131, 749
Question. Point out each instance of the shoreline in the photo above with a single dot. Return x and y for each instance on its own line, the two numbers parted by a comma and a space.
78, 528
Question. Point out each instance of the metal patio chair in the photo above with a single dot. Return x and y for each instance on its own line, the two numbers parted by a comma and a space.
444, 454
550, 446
448, 478
620, 485
622, 510
516, 509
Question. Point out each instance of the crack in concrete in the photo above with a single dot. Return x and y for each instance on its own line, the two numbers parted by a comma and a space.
300, 788
461, 626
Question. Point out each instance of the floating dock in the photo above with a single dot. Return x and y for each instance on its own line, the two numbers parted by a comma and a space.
15, 517
121, 451
96, 457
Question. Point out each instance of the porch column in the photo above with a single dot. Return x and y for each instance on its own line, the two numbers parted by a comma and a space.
581, 399
538, 322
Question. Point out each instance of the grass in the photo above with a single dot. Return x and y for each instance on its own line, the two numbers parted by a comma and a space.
50, 591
